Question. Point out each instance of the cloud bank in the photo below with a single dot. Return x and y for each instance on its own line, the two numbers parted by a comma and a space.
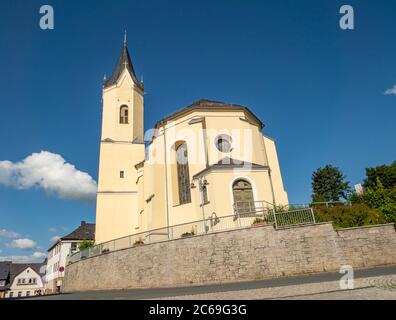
35, 257
48, 171
391, 91
24, 244
8, 234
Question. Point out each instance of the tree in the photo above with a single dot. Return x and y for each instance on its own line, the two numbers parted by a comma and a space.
386, 174
328, 184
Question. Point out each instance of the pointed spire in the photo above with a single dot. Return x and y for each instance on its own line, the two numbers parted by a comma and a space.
124, 62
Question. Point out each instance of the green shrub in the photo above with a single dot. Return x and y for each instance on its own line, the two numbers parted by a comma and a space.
85, 244
379, 198
350, 216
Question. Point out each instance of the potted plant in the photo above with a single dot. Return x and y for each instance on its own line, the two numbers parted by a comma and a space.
188, 234
138, 243
258, 222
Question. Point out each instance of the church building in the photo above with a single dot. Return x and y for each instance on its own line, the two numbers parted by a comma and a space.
207, 160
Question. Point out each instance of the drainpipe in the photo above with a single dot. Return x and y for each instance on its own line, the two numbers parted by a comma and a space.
272, 187
166, 183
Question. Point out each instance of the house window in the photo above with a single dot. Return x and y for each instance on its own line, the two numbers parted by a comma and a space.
122, 174
74, 246
124, 114
19, 293
223, 143
24, 280
2, 283
34, 280
11, 294
19, 281
27, 293
183, 176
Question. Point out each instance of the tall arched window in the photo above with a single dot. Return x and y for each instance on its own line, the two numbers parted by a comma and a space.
183, 176
243, 196
124, 114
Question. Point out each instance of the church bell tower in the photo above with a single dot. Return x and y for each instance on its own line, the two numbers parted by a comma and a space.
121, 148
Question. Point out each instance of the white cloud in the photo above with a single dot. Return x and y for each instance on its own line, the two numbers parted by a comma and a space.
24, 244
52, 230
50, 172
35, 257
8, 234
55, 239
391, 91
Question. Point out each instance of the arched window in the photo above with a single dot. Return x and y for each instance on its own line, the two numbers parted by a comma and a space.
183, 176
124, 114
243, 196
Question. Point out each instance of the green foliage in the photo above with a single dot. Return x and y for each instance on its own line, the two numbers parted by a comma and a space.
385, 174
379, 198
328, 184
85, 244
346, 216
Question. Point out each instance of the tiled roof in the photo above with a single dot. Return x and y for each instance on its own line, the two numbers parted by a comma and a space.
209, 105
86, 231
4, 269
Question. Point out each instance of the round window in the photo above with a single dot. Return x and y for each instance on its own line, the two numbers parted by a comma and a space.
223, 143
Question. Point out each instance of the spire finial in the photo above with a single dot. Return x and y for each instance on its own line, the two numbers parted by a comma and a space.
125, 38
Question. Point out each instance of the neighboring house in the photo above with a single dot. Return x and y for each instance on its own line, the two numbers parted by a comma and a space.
26, 280
208, 159
57, 253
5, 267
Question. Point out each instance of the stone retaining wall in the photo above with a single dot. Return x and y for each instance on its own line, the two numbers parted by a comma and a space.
237, 255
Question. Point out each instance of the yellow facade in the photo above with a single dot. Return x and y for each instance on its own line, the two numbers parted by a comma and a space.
141, 189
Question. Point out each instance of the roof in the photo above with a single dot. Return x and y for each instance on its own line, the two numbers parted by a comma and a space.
230, 163
124, 61
4, 270
209, 105
86, 231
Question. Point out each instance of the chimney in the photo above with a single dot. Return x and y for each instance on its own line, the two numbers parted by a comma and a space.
83, 223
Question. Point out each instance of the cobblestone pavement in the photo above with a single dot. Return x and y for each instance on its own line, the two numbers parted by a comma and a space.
357, 294
375, 288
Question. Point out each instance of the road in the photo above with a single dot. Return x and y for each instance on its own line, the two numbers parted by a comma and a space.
263, 289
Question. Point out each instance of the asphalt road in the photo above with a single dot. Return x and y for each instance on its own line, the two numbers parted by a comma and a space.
134, 294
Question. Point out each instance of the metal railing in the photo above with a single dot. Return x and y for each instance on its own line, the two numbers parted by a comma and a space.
294, 218
256, 207
242, 219
252, 207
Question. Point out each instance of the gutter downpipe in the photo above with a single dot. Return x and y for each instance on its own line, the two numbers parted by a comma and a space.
166, 183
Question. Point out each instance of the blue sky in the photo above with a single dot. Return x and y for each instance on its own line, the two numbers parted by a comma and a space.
318, 89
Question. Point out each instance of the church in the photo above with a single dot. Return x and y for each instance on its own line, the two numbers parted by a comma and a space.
208, 159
